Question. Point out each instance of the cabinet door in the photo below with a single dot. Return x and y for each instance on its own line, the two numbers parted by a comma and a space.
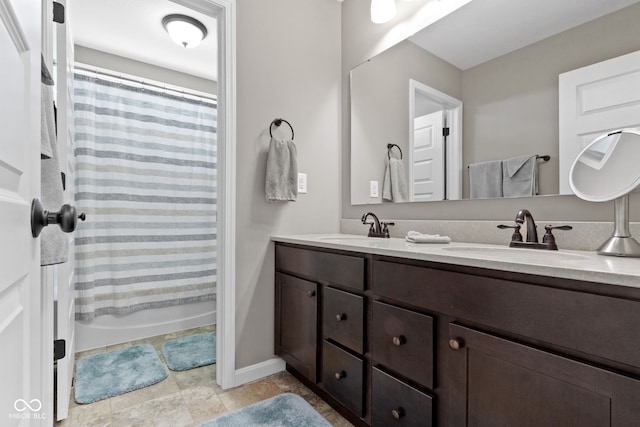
297, 324
496, 382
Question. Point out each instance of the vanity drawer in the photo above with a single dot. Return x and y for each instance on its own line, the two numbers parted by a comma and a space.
396, 403
341, 270
343, 318
342, 377
402, 340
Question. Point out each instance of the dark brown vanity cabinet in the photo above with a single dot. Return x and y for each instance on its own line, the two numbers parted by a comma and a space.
399, 342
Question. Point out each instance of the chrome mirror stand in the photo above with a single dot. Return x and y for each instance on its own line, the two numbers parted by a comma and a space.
621, 244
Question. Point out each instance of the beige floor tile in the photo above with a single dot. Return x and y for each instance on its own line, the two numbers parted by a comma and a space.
248, 394
137, 415
90, 352
177, 417
118, 346
95, 414
203, 403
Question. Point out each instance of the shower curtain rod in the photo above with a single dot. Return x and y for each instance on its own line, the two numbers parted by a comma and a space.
84, 69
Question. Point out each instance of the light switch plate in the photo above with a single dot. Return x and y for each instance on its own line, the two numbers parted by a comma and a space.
302, 183
373, 188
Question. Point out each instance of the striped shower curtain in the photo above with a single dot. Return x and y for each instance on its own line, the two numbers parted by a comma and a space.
145, 175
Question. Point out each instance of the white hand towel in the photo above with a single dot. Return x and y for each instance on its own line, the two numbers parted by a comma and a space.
416, 237
281, 183
394, 185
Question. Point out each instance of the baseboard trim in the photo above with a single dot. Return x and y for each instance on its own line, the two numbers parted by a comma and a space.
259, 370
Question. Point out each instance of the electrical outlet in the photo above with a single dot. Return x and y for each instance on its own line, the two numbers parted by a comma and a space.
302, 183
373, 188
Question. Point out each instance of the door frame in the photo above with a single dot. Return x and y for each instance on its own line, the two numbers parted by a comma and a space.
453, 113
225, 12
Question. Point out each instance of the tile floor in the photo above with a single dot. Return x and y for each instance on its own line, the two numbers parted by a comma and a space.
185, 398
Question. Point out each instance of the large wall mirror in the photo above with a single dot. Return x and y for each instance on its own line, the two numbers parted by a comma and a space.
477, 87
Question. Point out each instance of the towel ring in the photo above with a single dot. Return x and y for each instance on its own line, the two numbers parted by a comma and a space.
277, 123
390, 146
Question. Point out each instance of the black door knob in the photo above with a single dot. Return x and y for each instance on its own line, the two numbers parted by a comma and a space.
66, 218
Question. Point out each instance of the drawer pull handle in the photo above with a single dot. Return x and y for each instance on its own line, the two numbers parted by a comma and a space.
456, 344
311, 294
340, 375
398, 413
399, 340
341, 317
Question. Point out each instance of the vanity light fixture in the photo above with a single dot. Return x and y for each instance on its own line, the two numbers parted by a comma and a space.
382, 11
184, 30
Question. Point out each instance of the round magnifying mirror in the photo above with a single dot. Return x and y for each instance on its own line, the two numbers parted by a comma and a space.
607, 169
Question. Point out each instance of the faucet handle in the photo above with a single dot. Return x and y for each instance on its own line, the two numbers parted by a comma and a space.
549, 238
385, 229
516, 236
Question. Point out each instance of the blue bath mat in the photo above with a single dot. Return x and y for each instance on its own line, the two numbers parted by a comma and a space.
190, 352
283, 410
116, 372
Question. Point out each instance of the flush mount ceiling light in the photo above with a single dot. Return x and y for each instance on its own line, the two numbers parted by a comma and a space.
184, 30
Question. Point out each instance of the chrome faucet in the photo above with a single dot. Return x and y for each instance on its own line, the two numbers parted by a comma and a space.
548, 241
532, 231
377, 228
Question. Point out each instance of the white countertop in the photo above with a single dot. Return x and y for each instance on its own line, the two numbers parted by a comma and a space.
578, 265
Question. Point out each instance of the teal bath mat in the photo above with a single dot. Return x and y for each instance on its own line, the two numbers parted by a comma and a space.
190, 352
116, 372
284, 410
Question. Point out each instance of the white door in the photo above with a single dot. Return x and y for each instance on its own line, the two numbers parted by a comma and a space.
65, 301
24, 400
427, 158
595, 100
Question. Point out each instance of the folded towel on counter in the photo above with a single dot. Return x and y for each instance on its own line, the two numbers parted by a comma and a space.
519, 176
394, 185
485, 179
415, 237
281, 183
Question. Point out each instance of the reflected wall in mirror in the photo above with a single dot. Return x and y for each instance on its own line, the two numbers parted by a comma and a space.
506, 76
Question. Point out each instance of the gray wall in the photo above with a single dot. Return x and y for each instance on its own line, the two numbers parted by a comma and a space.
381, 88
362, 40
511, 103
288, 65
85, 55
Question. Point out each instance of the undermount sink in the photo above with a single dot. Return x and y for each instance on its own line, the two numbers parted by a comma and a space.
515, 253
340, 237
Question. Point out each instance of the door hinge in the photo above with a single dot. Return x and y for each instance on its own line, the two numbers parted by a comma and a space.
445, 131
58, 12
59, 349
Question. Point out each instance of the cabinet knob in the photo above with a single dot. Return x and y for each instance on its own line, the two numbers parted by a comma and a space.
399, 340
398, 413
341, 317
311, 294
456, 344
340, 375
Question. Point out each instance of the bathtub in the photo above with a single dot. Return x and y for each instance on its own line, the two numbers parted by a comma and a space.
109, 330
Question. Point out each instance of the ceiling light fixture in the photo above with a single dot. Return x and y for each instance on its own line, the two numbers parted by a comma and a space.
184, 30
382, 11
